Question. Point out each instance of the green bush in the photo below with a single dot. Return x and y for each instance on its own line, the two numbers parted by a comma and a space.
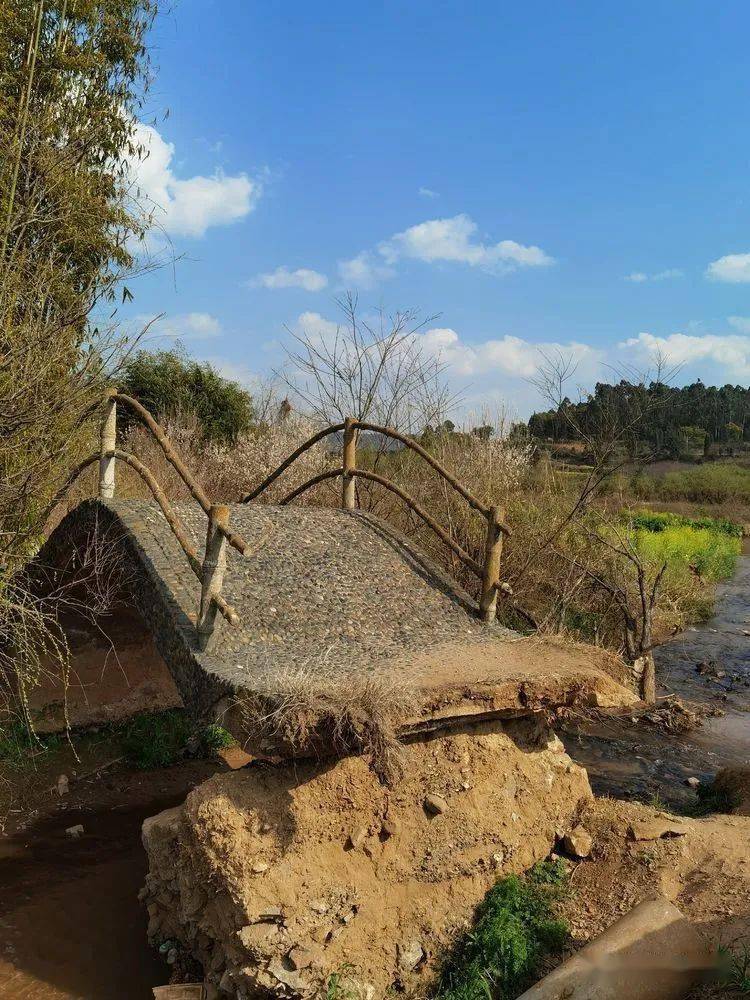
169, 383
215, 737
156, 740
515, 927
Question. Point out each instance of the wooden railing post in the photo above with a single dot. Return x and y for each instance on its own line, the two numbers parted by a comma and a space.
492, 553
214, 566
349, 488
108, 443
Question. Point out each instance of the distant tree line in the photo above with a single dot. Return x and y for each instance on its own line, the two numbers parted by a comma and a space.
680, 420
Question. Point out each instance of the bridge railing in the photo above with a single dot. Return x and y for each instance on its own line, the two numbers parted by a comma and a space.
210, 570
488, 571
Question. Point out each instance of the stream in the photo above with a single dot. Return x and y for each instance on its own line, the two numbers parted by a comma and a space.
637, 761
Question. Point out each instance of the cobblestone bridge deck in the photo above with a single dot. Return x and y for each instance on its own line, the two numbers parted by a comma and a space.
326, 592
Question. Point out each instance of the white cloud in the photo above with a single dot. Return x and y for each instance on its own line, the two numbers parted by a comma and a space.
312, 324
363, 271
428, 193
188, 206
731, 351
734, 268
509, 355
282, 277
741, 323
640, 276
236, 372
181, 326
494, 369
454, 239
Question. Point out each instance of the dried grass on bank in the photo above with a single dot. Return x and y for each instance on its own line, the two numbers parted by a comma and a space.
312, 712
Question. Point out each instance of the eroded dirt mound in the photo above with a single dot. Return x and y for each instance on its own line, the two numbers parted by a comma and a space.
701, 865
277, 878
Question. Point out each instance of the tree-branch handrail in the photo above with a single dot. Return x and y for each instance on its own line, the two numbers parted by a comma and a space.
196, 490
462, 554
442, 534
365, 425
309, 483
166, 508
254, 494
431, 460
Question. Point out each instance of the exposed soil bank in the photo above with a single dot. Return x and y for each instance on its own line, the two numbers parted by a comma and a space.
277, 878
71, 926
704, 870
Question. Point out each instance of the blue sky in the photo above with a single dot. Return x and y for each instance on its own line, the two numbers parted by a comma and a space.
570, 176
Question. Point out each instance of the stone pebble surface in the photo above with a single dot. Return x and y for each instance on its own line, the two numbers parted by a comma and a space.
320, 590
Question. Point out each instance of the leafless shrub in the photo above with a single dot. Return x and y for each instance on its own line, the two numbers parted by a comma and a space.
227, 473
34, 604
494, 467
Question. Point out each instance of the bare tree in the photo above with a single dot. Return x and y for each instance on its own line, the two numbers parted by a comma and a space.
614, 566
376, 371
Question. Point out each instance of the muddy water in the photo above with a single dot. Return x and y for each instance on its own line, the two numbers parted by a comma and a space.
71, 926
630, 760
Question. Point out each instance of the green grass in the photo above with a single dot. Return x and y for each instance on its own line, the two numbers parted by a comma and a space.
734, 969
17, 743
515, 927
156, 740
337, 987
215, 737
709, 483
147, 741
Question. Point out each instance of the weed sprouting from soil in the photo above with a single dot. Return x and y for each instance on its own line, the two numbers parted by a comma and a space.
161, 739
156, 740
17, 742
515, 927
734, 964
337, 987
215, 737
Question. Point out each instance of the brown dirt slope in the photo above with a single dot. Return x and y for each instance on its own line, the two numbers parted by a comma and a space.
705, 871
277, 878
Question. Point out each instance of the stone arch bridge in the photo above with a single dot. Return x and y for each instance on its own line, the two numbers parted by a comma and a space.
266, 601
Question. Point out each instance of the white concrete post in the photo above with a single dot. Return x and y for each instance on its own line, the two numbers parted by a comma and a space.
108, 440
214, 566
